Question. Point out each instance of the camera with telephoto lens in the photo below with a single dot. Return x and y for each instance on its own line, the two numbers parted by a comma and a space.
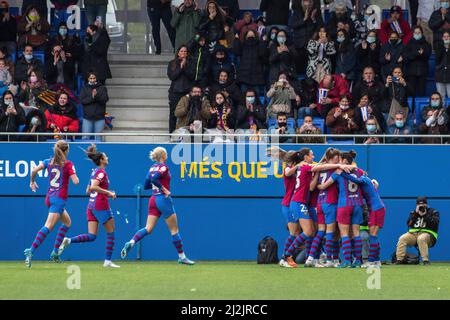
422, 209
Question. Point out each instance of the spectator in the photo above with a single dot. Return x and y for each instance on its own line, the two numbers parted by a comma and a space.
305, 22
95, 59
70, 44
423, 224
346, 57
252, 52
62, 116
334, 87
440, 21
228, 87
185, 21
309, 100
400, 127
261, 23
277, 12
5, 77
199, 58
40, 4
392, 54
11, 116
442, 71
371, 128
94, 9
309, 128
242, 26
93, 97
220, 62
364, 111
60, 69
272, 40
362, 26
340, 19
282, 58
417, 54
222, 116
281, 93
231, 8
180, 74
192, 109
31, 89
8, 61
158, 10
33, 29
368, 53
320, 50
434, 119
397, 91
424, 12
26, 64
397, 24
281, 129
251, 113
8, 28
35, 122
375, 91
340, 120
213, 23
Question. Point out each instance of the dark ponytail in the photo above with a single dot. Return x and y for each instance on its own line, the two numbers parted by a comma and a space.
93, 154
350, 156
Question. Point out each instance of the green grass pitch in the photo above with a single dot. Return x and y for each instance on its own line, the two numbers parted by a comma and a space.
219, 280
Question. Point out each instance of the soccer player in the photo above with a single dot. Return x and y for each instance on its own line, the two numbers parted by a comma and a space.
60, 169
98, 209
160, 204
377, 212
349, 211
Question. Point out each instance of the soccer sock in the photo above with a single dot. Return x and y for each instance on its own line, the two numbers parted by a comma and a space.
178, 243
109, 245
288, 243
139, 236
336, 250
316, 244
347, 249
373, 247
357, 248
59, 238
83, 238
299, 240
329, 246
40, 237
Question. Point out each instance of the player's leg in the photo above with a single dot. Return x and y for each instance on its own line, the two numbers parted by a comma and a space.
66, 223
344, 221
172, 224
314, 253
374, 245
294, 230
376, 222
357, 219
110, 228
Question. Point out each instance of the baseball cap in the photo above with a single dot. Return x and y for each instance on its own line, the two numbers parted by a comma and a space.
422, 200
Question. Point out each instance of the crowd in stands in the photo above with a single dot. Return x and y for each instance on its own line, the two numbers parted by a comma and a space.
52, 83
294, 70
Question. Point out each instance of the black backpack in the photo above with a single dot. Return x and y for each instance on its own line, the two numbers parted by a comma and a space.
410, 258
267, 251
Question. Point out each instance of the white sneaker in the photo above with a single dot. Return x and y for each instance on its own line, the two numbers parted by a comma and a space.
323, 258
310, 262
110, 264
64, 244
329, 264
318, 264
283, 263
367, 264
336, 262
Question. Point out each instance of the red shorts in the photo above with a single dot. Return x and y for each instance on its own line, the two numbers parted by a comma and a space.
153, 208
320, 215
90, 216
344, 215
376, 218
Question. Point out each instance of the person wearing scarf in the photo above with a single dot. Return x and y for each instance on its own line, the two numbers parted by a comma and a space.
222, 115
62, 116
397, 24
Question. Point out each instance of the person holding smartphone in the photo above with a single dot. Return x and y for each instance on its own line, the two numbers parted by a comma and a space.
11, 116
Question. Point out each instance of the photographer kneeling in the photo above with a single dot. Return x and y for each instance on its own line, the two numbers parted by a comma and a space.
423, 226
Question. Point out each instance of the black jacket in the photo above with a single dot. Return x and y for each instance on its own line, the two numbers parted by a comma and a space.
376, 93
231, 7
51, 72
436, 23
71, 44
212, 29
21, 69
234, 92
277, 11
279, 62
11, 123
396, 51
333, 20
199, 61
217, 66
252, 54
96, 56
94, 108
417, 64
181, 78
8, 29
259, 116
442, 71
369, 58
346, 60
429, 221
303, 30
400, 93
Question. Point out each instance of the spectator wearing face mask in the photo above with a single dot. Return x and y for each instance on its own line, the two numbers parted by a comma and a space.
417, 54
95, 58
434, 119
281, 94
371, 127
220, 62
8, 61
281, 129
31, 89
309, 128
35, 123
5, 77
396, 88
26, 64
368, 53
185, 20
392, 55
321, 51
333, 87
345, 57
395, 23
70, 44
60, 68
363, 25
400, 128
33, 29
193, 111
11, 116
282, 58
442, 71
251, 113
340, 120
228, 87
440, 21
340, 19
8, 28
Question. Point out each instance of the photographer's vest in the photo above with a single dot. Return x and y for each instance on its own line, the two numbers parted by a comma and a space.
420, 226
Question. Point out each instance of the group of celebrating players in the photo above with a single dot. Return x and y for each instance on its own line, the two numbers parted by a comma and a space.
325, 200
61, 169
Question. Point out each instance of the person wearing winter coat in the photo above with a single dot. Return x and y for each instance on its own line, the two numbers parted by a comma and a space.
395, 23
191, 108
368, 53
95, 59
442, 71
251, 113
220, 62
11, 116
199, 60
242, 26
282, 58
62, 116
321, 51
345, 57
228, 87
185, 21
392, 55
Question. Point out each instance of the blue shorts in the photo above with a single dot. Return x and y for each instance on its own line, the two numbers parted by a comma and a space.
101, 216
55, 204
287, 214
357, 217
160, 206
299, 210
330, 212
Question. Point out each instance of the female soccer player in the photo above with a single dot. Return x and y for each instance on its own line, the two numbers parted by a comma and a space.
160, 204
349, 211
98, 209
300, 198
59, 171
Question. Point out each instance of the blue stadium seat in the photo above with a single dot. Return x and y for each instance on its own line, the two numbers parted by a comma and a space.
447, 102
410, 104
14, 11
317, 122
386, 14
271, 122
80, 83
22, 128
421, 102
262, 99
